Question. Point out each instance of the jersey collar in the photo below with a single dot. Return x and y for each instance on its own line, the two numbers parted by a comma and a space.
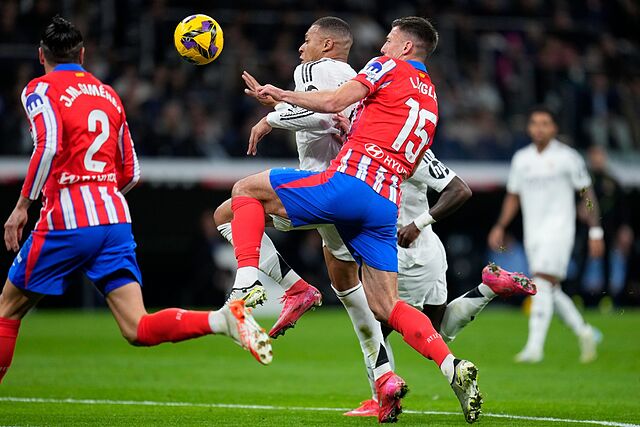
417, 64
68, 67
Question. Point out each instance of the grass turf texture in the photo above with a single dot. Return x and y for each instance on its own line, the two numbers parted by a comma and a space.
81, 355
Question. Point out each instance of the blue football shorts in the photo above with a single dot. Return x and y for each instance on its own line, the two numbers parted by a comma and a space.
365, 220
105, 253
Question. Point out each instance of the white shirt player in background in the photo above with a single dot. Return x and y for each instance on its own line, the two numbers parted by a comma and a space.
544, 179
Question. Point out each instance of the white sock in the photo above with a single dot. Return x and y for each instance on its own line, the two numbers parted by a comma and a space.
540, 317
566, 309
218, 322
245, 276
271, 262
463, 310
367, 329
447, 367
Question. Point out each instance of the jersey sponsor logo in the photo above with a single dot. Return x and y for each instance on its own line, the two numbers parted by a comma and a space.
422, 87
373, 150
395, 165
310, 88
34, 104
69, 178
437, 169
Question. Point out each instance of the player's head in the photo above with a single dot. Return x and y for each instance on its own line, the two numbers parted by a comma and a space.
61, 43
542, 126
328, 37
411, 37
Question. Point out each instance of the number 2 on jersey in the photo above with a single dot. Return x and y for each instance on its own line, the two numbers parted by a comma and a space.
95, 117
421, 116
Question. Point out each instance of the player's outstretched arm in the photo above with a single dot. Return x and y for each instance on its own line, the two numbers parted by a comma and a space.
15, 224
323, 101
454, 195
510, 208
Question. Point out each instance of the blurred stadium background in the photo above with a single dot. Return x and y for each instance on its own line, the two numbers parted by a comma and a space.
191, 124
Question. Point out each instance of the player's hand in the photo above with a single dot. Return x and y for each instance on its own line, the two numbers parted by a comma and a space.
258, 132
496, 238
252, 85
596, 248
13, 228
407, 235
269, 90
342, 123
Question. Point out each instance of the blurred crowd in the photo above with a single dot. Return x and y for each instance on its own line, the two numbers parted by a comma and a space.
495, 59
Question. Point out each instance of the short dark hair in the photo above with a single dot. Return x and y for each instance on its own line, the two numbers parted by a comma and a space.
336, 26
61, 42
543, 109
420, 28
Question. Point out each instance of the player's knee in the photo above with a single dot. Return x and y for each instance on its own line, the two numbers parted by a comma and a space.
241, 188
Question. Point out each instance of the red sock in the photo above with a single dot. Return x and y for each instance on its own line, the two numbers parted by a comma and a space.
172, 324
8, 335
247, 228
418, 332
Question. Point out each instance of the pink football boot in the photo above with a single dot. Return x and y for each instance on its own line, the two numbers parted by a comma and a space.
391, 389
505, 283
297, 300
368, 408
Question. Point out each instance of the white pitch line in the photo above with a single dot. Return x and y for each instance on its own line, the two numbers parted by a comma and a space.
290, 408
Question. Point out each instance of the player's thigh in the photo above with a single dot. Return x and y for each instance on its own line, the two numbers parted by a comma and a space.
127, 306
115, 264
418, 286
259, 187
15, 303
309, 198
47, 258
381, 288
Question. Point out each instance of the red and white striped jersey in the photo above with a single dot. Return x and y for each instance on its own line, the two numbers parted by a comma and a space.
83, 159
393, 127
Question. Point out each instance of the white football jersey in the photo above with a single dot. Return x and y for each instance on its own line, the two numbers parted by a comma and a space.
546, 183
427, 249
316, 136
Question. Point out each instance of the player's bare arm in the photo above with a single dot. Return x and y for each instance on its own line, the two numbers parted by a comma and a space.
15, 224
324, 101
455, 194
592, 210
510, 208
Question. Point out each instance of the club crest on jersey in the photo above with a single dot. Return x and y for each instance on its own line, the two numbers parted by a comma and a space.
375, 151
34, 104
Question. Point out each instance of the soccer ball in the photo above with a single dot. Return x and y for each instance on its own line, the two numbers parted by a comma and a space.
198, 39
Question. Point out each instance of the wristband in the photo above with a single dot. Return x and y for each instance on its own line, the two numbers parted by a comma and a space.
596, 233
423, 220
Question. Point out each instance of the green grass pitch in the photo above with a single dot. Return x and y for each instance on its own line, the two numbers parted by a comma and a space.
80, 355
